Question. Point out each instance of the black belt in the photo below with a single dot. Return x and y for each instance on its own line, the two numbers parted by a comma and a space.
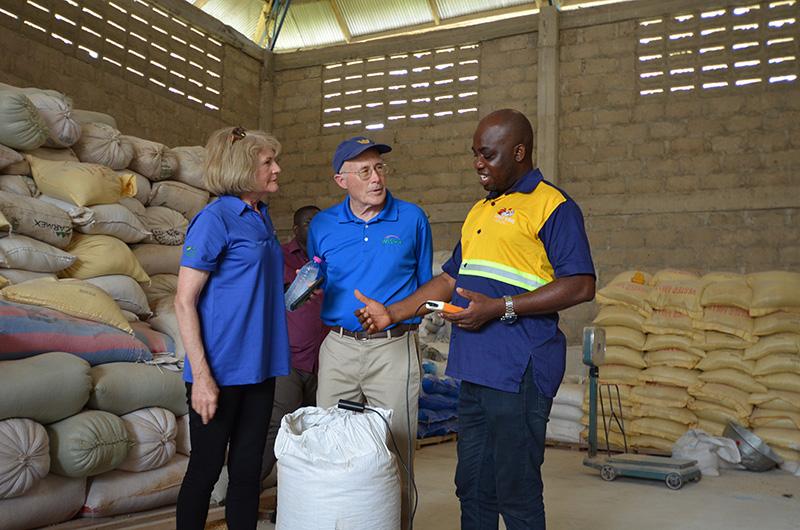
397, 331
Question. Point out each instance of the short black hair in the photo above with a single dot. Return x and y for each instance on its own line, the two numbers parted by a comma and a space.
303, 210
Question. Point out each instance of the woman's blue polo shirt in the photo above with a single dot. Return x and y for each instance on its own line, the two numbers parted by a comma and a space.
241, 309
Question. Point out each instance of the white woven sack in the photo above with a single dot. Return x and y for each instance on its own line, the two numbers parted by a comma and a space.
133, 204
125, 291
159, 259
37, 219
115, 220
569, 394
167, 226
559, 430
21, 252
166, 322
102, 144
120, 492
24, 456
191, 160
318, 451
18, 185
21, 126
89, 116
18, 276
8, 156
56, 111
152, 432
566, 412
180, 197
151, 159
53, 500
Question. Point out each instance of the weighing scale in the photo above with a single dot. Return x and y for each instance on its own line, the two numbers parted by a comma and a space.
675, 472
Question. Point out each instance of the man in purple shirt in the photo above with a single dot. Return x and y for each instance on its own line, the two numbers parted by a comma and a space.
306, 333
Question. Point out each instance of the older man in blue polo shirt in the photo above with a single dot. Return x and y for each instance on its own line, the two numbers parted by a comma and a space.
382, 246
523, 256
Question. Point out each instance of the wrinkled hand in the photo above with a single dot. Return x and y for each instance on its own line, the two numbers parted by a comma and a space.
373, 316
205, 394
480, 310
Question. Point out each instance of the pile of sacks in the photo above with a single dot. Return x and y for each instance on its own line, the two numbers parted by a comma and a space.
92, 224
92, 440
698, 352
566, 414
438, 403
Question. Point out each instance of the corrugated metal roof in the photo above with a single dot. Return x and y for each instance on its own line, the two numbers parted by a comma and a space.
457, 8
308, 25
241, 15
368, 16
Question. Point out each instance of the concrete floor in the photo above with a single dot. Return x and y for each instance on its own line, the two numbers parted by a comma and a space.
576, 498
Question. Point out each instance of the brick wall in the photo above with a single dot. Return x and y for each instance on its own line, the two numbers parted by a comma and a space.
32, 58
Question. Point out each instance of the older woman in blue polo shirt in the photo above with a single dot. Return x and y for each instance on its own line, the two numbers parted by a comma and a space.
232, 321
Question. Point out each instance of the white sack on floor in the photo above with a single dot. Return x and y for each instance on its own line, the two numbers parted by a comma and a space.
707, 450
566, 412
24, 456
570, 394
53, 500
152, 433
120, 492
564, 431
335, 471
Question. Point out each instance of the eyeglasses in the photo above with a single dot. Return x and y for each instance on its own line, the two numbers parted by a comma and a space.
365, 172
237, 134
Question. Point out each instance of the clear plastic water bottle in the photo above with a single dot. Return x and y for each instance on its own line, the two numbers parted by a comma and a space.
308, 278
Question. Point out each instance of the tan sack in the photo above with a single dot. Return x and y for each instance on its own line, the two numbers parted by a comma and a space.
159, 259
716, 340
120, 492
56, 111
719, 359
786, 438
152, 432
619, 374
117, 221
626, 294
681, 295
660, 428
19, 276
783, 381
54, 499
81, 184
179, 197
724, 395
143, 186
123, 387
55, 155
712, 428
667, 322
622, 336
64, 376
103, 144
134, 205
778, 343
22, 252
151, 159
161, 286
87, 444
730, 290
73, 297
24, 456
190, 165
671, 357
777, 363
8, 156
780, 322
79, 215
727, 319
711, 411
774, 291
612, 315
633, 276
167, 226
90, 116
734, 378
669, 375
665, 342
777, 399
21, 125
5, 225
624, 356
34, 218
18, 185
166, 322
101, 256
660, 395
125, 291
671, 275
642, 441
775, 418
682, 416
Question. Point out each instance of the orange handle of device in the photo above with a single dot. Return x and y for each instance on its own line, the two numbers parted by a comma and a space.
450, 308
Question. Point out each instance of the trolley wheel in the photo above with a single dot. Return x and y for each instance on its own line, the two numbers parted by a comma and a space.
674, 481
608, 473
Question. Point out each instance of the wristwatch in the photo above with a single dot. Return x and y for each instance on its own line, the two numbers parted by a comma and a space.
510, 316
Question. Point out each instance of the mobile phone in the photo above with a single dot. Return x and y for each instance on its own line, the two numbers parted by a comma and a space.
436, 305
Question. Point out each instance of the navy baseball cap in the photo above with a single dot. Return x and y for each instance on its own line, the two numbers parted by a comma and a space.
353, 147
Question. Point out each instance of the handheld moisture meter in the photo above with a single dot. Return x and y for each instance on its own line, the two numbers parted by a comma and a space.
436, 305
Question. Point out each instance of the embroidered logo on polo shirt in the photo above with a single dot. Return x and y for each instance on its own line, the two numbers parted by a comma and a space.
505, 215
189, 251
392, 239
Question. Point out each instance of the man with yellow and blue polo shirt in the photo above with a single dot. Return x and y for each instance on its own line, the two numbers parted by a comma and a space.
523, 256
381, 245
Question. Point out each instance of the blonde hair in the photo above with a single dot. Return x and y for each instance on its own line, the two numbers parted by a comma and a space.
232, 160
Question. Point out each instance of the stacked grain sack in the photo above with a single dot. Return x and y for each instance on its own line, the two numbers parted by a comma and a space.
566, 414
775, 308
73, 216
624, 307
